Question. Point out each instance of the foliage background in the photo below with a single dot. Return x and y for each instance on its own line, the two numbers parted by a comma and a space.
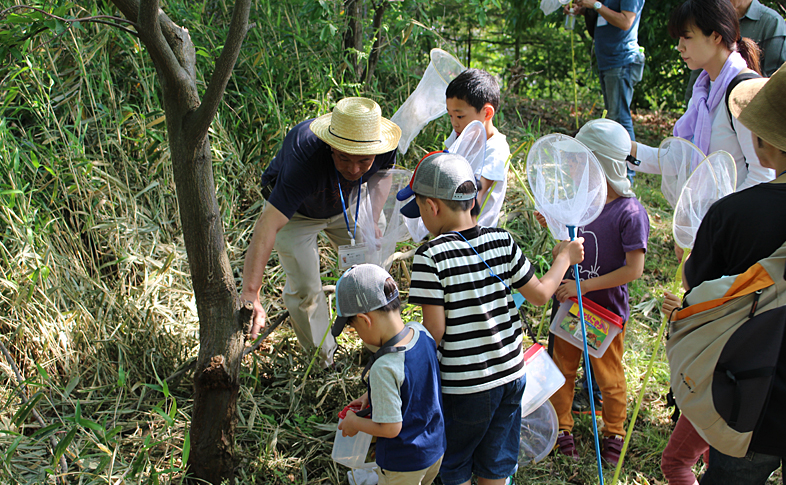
96, 308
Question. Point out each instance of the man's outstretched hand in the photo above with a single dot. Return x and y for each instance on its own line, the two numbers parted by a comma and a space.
258, 316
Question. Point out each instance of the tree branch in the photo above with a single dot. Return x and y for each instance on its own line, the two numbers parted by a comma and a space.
96, 19
160, 50
200, 121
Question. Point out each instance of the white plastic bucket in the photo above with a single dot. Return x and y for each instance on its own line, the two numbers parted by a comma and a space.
351, 451
602, 325
543, 379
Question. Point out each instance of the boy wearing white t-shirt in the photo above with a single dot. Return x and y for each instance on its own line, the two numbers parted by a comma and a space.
474, 95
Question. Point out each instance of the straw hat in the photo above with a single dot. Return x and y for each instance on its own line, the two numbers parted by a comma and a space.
356, 126
760, 105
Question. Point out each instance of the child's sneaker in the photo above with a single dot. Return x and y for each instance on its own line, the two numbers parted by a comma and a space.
611, 449
567, 446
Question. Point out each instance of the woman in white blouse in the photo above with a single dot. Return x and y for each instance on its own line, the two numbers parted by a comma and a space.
709, 39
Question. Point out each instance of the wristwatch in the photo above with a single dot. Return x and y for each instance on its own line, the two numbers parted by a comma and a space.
597, 5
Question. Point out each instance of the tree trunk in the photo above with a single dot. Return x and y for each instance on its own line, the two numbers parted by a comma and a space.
379, 12
469, 47
353, 35
221, 341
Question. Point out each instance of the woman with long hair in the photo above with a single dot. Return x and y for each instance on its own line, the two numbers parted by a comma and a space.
709, 39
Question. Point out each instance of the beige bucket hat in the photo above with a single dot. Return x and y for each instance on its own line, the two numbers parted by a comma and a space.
356, 126
610, 143
760, 105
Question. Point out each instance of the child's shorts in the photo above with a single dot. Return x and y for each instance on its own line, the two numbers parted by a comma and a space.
483, 432
420, 477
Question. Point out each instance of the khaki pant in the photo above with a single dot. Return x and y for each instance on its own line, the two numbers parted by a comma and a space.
296, 244
420, 477
611, 381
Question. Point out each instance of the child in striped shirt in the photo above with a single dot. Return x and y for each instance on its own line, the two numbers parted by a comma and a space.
462, 279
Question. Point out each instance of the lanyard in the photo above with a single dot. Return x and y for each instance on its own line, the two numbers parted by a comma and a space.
781, 173
518, 298
387, 348
344, 208
491, 271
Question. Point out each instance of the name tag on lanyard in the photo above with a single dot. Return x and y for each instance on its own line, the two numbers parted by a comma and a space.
350, 254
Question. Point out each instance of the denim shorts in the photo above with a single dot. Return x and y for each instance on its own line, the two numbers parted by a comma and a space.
483, 432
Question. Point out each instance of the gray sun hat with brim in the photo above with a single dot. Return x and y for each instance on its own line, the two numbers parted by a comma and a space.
610, 142
361, 289
438, 175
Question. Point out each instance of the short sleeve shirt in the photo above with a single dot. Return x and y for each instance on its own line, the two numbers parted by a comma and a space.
305, 177
622, 226
405, 389
615, 47
482, 345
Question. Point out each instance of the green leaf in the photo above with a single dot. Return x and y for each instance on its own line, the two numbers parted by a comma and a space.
21, 415
45, 432
187, 447
63, 445
42, 372
71, 386
121, 375
86, 423
11, 449
112, 433
173, 409
167, 418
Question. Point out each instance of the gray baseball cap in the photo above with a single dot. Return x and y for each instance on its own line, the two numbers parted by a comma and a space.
438, 175
360, 289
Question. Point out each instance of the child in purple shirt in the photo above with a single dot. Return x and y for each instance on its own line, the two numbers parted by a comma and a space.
614, 246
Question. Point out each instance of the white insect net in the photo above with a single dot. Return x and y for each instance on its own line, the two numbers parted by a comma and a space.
471, 145
427, 102
567, 182
538, 434
675, 157
381, 233
714, 178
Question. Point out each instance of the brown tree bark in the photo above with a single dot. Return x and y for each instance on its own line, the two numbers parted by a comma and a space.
221, 327
376, 27
353, 36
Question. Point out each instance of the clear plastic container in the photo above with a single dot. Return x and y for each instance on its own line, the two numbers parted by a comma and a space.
351, 451
543, 379
539, 432
602, 325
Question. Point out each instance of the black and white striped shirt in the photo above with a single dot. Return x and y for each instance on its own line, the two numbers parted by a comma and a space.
482, 345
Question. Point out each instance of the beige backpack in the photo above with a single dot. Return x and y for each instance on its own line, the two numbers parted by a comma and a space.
723, 350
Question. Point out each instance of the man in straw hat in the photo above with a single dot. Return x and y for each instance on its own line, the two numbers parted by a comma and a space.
307, 187
738, 231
